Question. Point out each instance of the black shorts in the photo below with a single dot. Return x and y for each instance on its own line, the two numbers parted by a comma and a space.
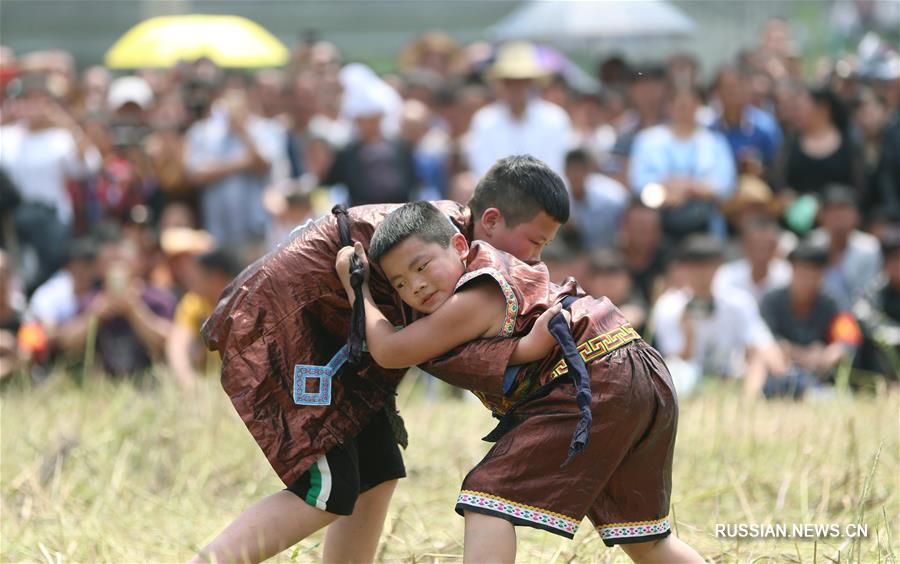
337, 479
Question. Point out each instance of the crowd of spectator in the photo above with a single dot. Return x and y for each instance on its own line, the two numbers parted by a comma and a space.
749, 225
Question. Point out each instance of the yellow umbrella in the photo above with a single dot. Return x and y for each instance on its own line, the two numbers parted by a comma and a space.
230, 41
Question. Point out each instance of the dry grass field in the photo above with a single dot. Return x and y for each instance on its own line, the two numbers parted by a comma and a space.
117, 472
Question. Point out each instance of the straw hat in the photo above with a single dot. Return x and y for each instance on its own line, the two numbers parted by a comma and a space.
751, 191
517, 60
178, 240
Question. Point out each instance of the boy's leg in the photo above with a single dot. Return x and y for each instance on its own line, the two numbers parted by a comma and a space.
665, 550
489, 539
265, 529
354, 538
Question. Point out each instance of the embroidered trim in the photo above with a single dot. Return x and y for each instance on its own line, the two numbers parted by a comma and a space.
512, 304
634, 529
599, 345
519, 511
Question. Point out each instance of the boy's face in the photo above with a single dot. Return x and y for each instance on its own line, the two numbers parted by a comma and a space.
425, 274
525, 241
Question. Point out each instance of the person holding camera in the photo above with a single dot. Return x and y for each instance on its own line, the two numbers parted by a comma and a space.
707, 330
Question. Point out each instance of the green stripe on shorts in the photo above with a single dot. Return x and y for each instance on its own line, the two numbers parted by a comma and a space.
315, 484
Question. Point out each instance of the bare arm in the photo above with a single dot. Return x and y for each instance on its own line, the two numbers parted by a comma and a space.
178, 356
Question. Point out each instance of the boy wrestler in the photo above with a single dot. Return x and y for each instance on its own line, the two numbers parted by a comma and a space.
340, 460
622, 480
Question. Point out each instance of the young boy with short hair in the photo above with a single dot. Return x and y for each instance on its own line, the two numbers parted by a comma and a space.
533, 476
339, 459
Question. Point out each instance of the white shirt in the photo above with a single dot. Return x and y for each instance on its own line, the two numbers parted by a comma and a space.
721, 340
543, 132
54, 301
39, 162
737, 274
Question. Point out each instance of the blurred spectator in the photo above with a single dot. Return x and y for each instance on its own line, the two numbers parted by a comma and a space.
57, 301
132, 318
881, 151
289, 204
613, 72
519, 122
822, 152
374, 169
713, 330
641, 243
187, 357
854, 257
433, 51
683, 70
814, 333
752, 199
647, 90
181, 246
753, 134
597, 201
230, 153
430, 163
11, 309
878, 312
607, 276
301, 107
692, 165
760, 270
94, 87
39, 153
591, 116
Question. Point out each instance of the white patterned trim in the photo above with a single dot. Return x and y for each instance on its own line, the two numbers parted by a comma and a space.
528, 513
512, 304
633, 530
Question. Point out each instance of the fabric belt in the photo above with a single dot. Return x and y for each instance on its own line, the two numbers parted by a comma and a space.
574, 363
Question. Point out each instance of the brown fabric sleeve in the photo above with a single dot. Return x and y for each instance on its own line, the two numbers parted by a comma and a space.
478, 365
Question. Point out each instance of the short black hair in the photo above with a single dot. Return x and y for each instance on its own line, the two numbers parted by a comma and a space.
700, 248
419, 219
222, 261
521, 186
809, 252
578, 157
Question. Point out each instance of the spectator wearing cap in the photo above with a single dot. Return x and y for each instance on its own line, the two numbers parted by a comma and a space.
753, 134
373, 168
878, 311
707, 330
692, 164
760, 270
597, 200
607, 276
814, 332
230, 153
519, 122
40, 152
186, 356
854, 257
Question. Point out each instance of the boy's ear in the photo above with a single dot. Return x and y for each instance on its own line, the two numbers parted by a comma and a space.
460, 245
491, 219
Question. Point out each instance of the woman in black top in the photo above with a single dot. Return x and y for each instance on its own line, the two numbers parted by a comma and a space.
823, 152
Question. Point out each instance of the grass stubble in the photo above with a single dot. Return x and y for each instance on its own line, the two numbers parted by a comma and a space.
122, 472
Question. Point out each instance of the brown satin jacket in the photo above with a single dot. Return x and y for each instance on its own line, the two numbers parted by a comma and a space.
529, 293
289, 308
